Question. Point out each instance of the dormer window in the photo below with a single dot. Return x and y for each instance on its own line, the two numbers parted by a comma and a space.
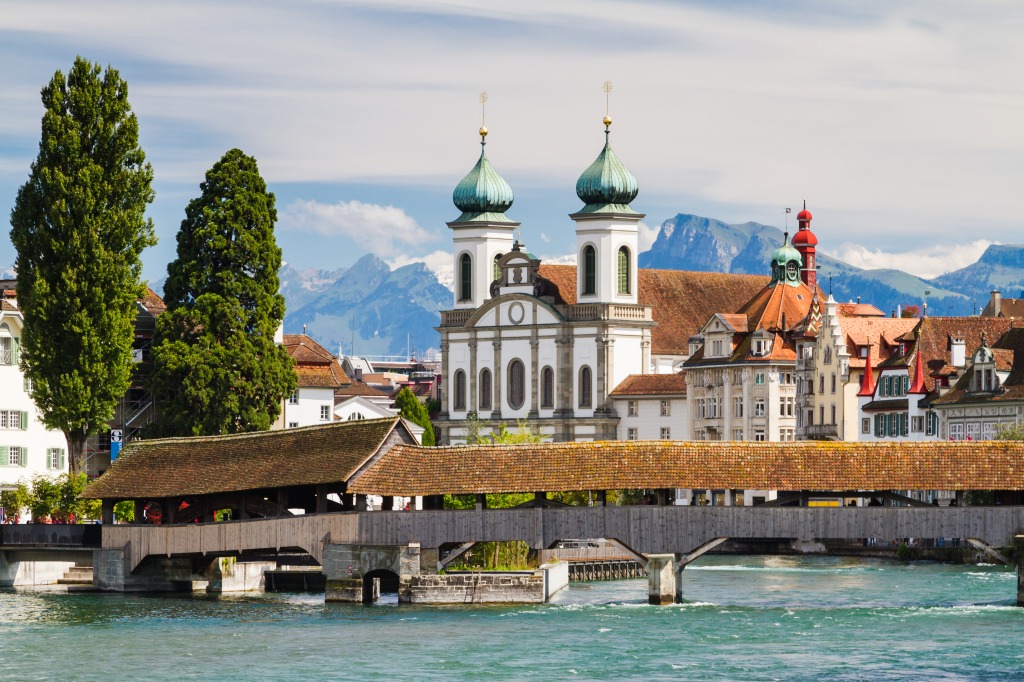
716, 348
863, 351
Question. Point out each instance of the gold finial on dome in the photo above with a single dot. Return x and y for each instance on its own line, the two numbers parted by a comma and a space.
607, 86
483, 116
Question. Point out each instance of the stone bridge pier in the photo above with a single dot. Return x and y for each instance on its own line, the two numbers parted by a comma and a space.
356, 573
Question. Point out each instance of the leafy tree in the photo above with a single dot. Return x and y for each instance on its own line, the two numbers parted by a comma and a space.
410, 407
57, 498
15, 500
910, 311
216, 367
78, 226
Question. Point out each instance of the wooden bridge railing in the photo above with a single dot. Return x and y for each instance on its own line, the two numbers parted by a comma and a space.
645, 529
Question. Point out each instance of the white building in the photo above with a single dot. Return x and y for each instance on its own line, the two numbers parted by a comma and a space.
320, 375
548, 344
27, 447
652, 407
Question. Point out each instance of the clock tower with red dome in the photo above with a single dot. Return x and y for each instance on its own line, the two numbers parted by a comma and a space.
806, 243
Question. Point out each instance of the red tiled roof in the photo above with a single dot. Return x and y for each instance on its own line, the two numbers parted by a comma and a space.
314, 364
780, 307
936, 331
357, 388
651, 384
607, 465
681, 301
858, 310
860, 331
153, 303
173, 467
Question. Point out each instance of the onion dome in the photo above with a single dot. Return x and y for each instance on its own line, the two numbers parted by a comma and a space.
786, 253
804, 236
606, 186
483, 195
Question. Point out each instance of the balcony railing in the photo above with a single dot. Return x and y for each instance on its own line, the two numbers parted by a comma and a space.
819, 431
455, 318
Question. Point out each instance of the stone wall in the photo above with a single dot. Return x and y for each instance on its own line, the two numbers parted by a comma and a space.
533, 587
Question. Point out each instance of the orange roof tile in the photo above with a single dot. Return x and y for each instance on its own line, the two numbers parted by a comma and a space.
651, 384
606, 465
779, 307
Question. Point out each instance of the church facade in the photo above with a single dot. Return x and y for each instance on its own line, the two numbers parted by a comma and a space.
546, 345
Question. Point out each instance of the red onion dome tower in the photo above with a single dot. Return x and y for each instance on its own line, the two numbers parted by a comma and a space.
806, 243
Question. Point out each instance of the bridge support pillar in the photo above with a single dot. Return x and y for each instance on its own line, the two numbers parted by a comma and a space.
664, 582
353, 572
1019, 542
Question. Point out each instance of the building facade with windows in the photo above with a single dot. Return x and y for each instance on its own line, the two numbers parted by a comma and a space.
27, 447
319, 375
652, 407
547, 344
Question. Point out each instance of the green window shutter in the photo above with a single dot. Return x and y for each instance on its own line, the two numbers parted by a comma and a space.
24, 383
24, 456
4, 455
24, 421
63, 460
878, 425
16, 350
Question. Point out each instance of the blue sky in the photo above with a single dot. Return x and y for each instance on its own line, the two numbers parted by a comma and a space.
900, 122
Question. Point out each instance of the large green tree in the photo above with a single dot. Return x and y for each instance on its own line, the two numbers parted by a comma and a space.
216, 367
79, 228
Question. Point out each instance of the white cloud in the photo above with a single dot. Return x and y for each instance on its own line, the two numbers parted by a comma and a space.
378, 229
928, 262
544, 238
648, 233
439, 262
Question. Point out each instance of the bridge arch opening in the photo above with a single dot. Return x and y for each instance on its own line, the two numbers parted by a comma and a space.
377, 582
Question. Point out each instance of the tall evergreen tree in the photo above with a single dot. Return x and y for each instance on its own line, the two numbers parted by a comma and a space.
216, 367
79, 228
410, 407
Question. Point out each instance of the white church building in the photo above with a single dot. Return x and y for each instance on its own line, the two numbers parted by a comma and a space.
547, 344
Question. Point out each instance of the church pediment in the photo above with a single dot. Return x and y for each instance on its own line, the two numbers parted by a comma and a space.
514, 310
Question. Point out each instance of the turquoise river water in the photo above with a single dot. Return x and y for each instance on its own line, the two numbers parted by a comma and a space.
745, 618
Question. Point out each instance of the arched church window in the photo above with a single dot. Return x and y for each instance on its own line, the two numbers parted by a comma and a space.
485, 389
497, 267
586, 387
589, 270
547, 387
516, 384
460, 390
465, 277
623, 270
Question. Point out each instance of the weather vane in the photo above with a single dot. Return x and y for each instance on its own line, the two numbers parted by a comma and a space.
483, 116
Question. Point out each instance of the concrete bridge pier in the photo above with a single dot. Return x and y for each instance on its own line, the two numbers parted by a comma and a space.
357, 573
664, 579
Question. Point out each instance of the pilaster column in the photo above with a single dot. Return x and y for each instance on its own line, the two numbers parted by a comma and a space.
472, 402
445, 375
564, 373
645, 352
534, 375
499, 372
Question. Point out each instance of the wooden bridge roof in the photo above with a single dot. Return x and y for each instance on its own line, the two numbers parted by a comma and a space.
174, 467
607, 465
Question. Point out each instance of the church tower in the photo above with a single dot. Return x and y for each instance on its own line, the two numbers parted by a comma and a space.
607, 230
483, 233
806, 243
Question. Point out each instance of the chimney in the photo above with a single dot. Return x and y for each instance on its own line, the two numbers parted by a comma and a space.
996, 304
957, 352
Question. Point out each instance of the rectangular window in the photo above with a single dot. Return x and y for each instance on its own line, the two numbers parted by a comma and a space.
716, 348
12, 455
631, 408
325, 413
821, 383
666, 433
865, 425
666, 408
712, 408
293, 399
8, 355
833, 415
956, 431
700, 408
13, 419
631, 433
737, 407
758, 378
833, 382
821, 414
933, 424
759, 436
973, 430
293, 425
737, 434
917, 424
758, 408
55, 458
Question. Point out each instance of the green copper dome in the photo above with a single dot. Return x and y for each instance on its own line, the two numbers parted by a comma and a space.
483, 195
606, 186
786, 264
